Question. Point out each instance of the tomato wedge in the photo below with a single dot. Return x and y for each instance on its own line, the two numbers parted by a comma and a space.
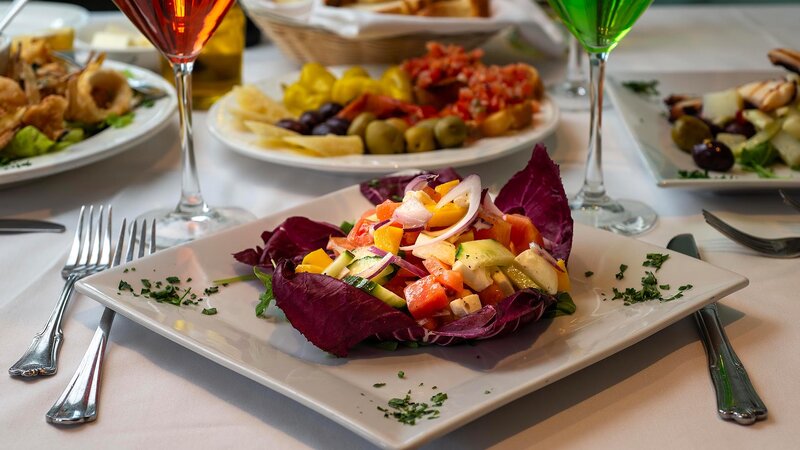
523, 232
491, 295
425, 297
448, 278
385, 210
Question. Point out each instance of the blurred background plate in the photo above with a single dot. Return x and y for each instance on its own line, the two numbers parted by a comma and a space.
139, 51
58, 20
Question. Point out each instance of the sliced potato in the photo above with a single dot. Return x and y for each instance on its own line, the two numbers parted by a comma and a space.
268, 130
279, 145
330, 145
251, 99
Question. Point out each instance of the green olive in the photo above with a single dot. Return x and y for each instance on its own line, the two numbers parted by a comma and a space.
383, 139
450, 132
689, 131
430, 123
359, 125
398, 123
420, 139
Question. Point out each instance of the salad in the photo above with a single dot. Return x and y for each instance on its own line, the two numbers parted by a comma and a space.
435, 261
752, 126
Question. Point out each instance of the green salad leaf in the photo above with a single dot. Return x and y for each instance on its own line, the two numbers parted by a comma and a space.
266, 297
758, 158
28, 141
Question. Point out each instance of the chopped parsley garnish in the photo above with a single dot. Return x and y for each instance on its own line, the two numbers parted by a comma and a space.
168, 292
621, 274
173, 280
125, 271
374, 183
588, 273
209, 311
643, 87
401, 374
487, 392
650, 290
266, 297
146, 283
407, 411
124, 286
379, 385
211, 290
693, 175
655, 260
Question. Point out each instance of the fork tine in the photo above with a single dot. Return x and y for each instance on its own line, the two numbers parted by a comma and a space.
789, 200
86, 251
77, 241
105, 249
97, 240
143, 238
120, 243
152, 248
741, 237
131, 242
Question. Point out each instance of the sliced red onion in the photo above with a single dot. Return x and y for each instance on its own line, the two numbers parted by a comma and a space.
546, 255
413, 229
548, 244
419, 182
381, 223
412, 214
470, 186
373, 271
400, 262
489, 206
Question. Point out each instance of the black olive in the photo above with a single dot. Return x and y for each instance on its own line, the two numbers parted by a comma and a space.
338, 125
294, 125
743, 127
322, 130
329, 110
311, 119
713, 155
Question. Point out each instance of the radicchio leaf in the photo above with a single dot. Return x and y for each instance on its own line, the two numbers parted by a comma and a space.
536, 191
378, 190
293, 238
335, 316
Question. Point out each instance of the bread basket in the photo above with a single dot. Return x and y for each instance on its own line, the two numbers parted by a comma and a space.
305, 43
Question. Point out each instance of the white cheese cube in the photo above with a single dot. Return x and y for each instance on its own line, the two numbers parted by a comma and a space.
465, 305
105, 39
477, 279
503, 282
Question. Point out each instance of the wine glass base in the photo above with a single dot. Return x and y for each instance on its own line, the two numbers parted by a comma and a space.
625, 217
174, 227
570, 96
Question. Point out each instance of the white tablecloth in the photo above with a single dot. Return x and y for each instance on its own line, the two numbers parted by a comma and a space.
656, 394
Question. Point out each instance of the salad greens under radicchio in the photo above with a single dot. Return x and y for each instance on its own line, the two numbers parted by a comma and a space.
436, 261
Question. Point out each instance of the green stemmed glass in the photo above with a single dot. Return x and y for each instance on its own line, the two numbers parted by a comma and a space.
599, 25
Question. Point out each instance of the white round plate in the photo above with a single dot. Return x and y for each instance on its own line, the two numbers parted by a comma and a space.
222, 126
37, 17
104, 144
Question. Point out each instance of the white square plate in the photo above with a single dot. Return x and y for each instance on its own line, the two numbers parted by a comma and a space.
645, 118
477, 379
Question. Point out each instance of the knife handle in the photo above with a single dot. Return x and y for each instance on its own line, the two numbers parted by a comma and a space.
736, 397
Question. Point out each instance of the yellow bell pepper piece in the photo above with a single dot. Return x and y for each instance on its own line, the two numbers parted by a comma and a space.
307, 268
397, 84
316, 78
465, 237
317, 258
444, 188
563, 277
387, 238
355, 71
346, 89
299, 99
445, 216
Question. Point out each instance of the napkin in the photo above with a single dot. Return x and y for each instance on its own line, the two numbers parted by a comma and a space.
532, 22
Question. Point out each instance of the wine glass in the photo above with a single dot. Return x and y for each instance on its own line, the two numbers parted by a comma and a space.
572, 93
599, 25
179, 29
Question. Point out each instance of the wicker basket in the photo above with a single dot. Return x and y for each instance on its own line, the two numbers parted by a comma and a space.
304, 43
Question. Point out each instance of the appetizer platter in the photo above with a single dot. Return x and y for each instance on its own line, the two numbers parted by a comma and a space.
408, 374
736, 131
56, 115
445, 108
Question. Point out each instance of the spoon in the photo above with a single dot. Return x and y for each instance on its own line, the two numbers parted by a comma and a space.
15, 7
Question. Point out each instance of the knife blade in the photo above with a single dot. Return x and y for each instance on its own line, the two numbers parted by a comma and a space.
737, 399
29, 226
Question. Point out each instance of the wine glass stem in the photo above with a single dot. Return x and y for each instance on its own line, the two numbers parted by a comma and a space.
191, 198
575, 74
593, 187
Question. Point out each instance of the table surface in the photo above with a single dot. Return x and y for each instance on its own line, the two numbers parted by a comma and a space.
655, 394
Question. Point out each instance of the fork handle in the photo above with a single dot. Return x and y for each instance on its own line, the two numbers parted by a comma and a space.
78, 403
42, 355
736, 397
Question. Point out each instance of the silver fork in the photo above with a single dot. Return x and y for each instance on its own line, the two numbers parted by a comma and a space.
90, 253
789, 200
788, 247
78, 403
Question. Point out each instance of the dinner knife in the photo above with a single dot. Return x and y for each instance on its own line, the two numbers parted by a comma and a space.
736, 397
29, 226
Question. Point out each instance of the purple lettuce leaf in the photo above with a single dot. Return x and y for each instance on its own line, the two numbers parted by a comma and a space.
335, 316
536, 191
378, 190
293, 238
